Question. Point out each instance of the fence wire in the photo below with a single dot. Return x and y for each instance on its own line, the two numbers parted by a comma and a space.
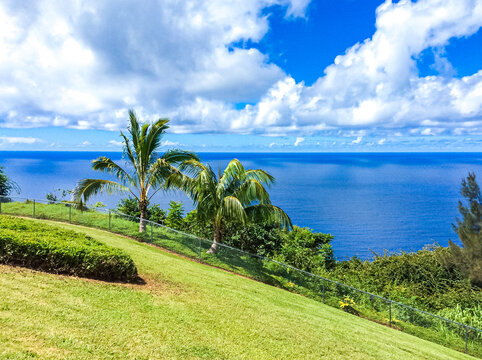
423, 324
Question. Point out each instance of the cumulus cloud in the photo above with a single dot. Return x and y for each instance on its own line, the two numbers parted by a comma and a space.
83, 64
357, 140
116, 143
381, 141
298, 141
376, 84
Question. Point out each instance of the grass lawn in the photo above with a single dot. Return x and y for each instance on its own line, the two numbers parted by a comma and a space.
184, 310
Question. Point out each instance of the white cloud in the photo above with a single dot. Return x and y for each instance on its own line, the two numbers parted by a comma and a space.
299, 140
85, 143
80, 64
83, 64
18, 140
357, 140
116, 143
169, 143
382, 141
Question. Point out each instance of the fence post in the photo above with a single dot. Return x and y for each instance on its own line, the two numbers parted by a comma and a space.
390, 313
1, 205
34, 208
466, 338
109, 219
200, 249
324, 290
70, 214
151, 232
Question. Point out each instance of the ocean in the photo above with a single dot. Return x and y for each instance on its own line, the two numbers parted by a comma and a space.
370, 202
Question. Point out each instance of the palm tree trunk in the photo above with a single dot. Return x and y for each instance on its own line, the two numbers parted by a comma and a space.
218, 237
142, 222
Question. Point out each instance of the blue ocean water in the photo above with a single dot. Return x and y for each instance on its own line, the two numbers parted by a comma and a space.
368, 201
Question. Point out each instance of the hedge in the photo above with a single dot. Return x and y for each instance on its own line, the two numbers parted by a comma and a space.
53, 249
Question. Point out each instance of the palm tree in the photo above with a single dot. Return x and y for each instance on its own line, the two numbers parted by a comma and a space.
148, 170
236, 195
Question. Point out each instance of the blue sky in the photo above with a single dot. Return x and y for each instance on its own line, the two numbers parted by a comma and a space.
258, 75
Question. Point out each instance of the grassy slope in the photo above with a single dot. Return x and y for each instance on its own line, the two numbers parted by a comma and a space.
185, 310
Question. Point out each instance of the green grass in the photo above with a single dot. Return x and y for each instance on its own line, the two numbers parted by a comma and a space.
185, 310
264, 271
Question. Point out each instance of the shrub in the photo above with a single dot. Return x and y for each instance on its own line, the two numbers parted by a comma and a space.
193, 225
130, 206
174, 218
417, 279
306, 249
156, 214
53, 249
260, 239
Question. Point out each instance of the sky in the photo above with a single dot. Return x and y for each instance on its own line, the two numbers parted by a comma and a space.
251, 75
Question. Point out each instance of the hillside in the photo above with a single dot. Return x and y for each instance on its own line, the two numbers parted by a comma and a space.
184, 310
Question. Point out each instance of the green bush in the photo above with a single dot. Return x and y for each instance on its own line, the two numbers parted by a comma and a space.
49, 248
261, 239
130, 206
418, 279
307, 250
175, 217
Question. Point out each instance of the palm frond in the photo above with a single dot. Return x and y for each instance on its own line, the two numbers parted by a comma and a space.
152, 140
261, 176
234, 170
269, 213
232, 209
107, 165
128, 150
134, 130
179, 181
87, 188
176, 156
251, 191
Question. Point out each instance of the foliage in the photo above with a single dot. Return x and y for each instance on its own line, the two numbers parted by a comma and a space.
156, 214
51, 198
468, 259
418, 279
58, 195
52, 249
130, 206
174, 218
7, 185
471, 316
149, 169
236, 195
263, 239
307, 250
193, 225
348, 305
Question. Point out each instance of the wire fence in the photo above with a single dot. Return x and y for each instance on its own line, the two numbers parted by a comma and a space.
423, 324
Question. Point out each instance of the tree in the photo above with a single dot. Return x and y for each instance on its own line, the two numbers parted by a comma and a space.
236, 195
174, 218
468, 259
148, 169
7, 185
